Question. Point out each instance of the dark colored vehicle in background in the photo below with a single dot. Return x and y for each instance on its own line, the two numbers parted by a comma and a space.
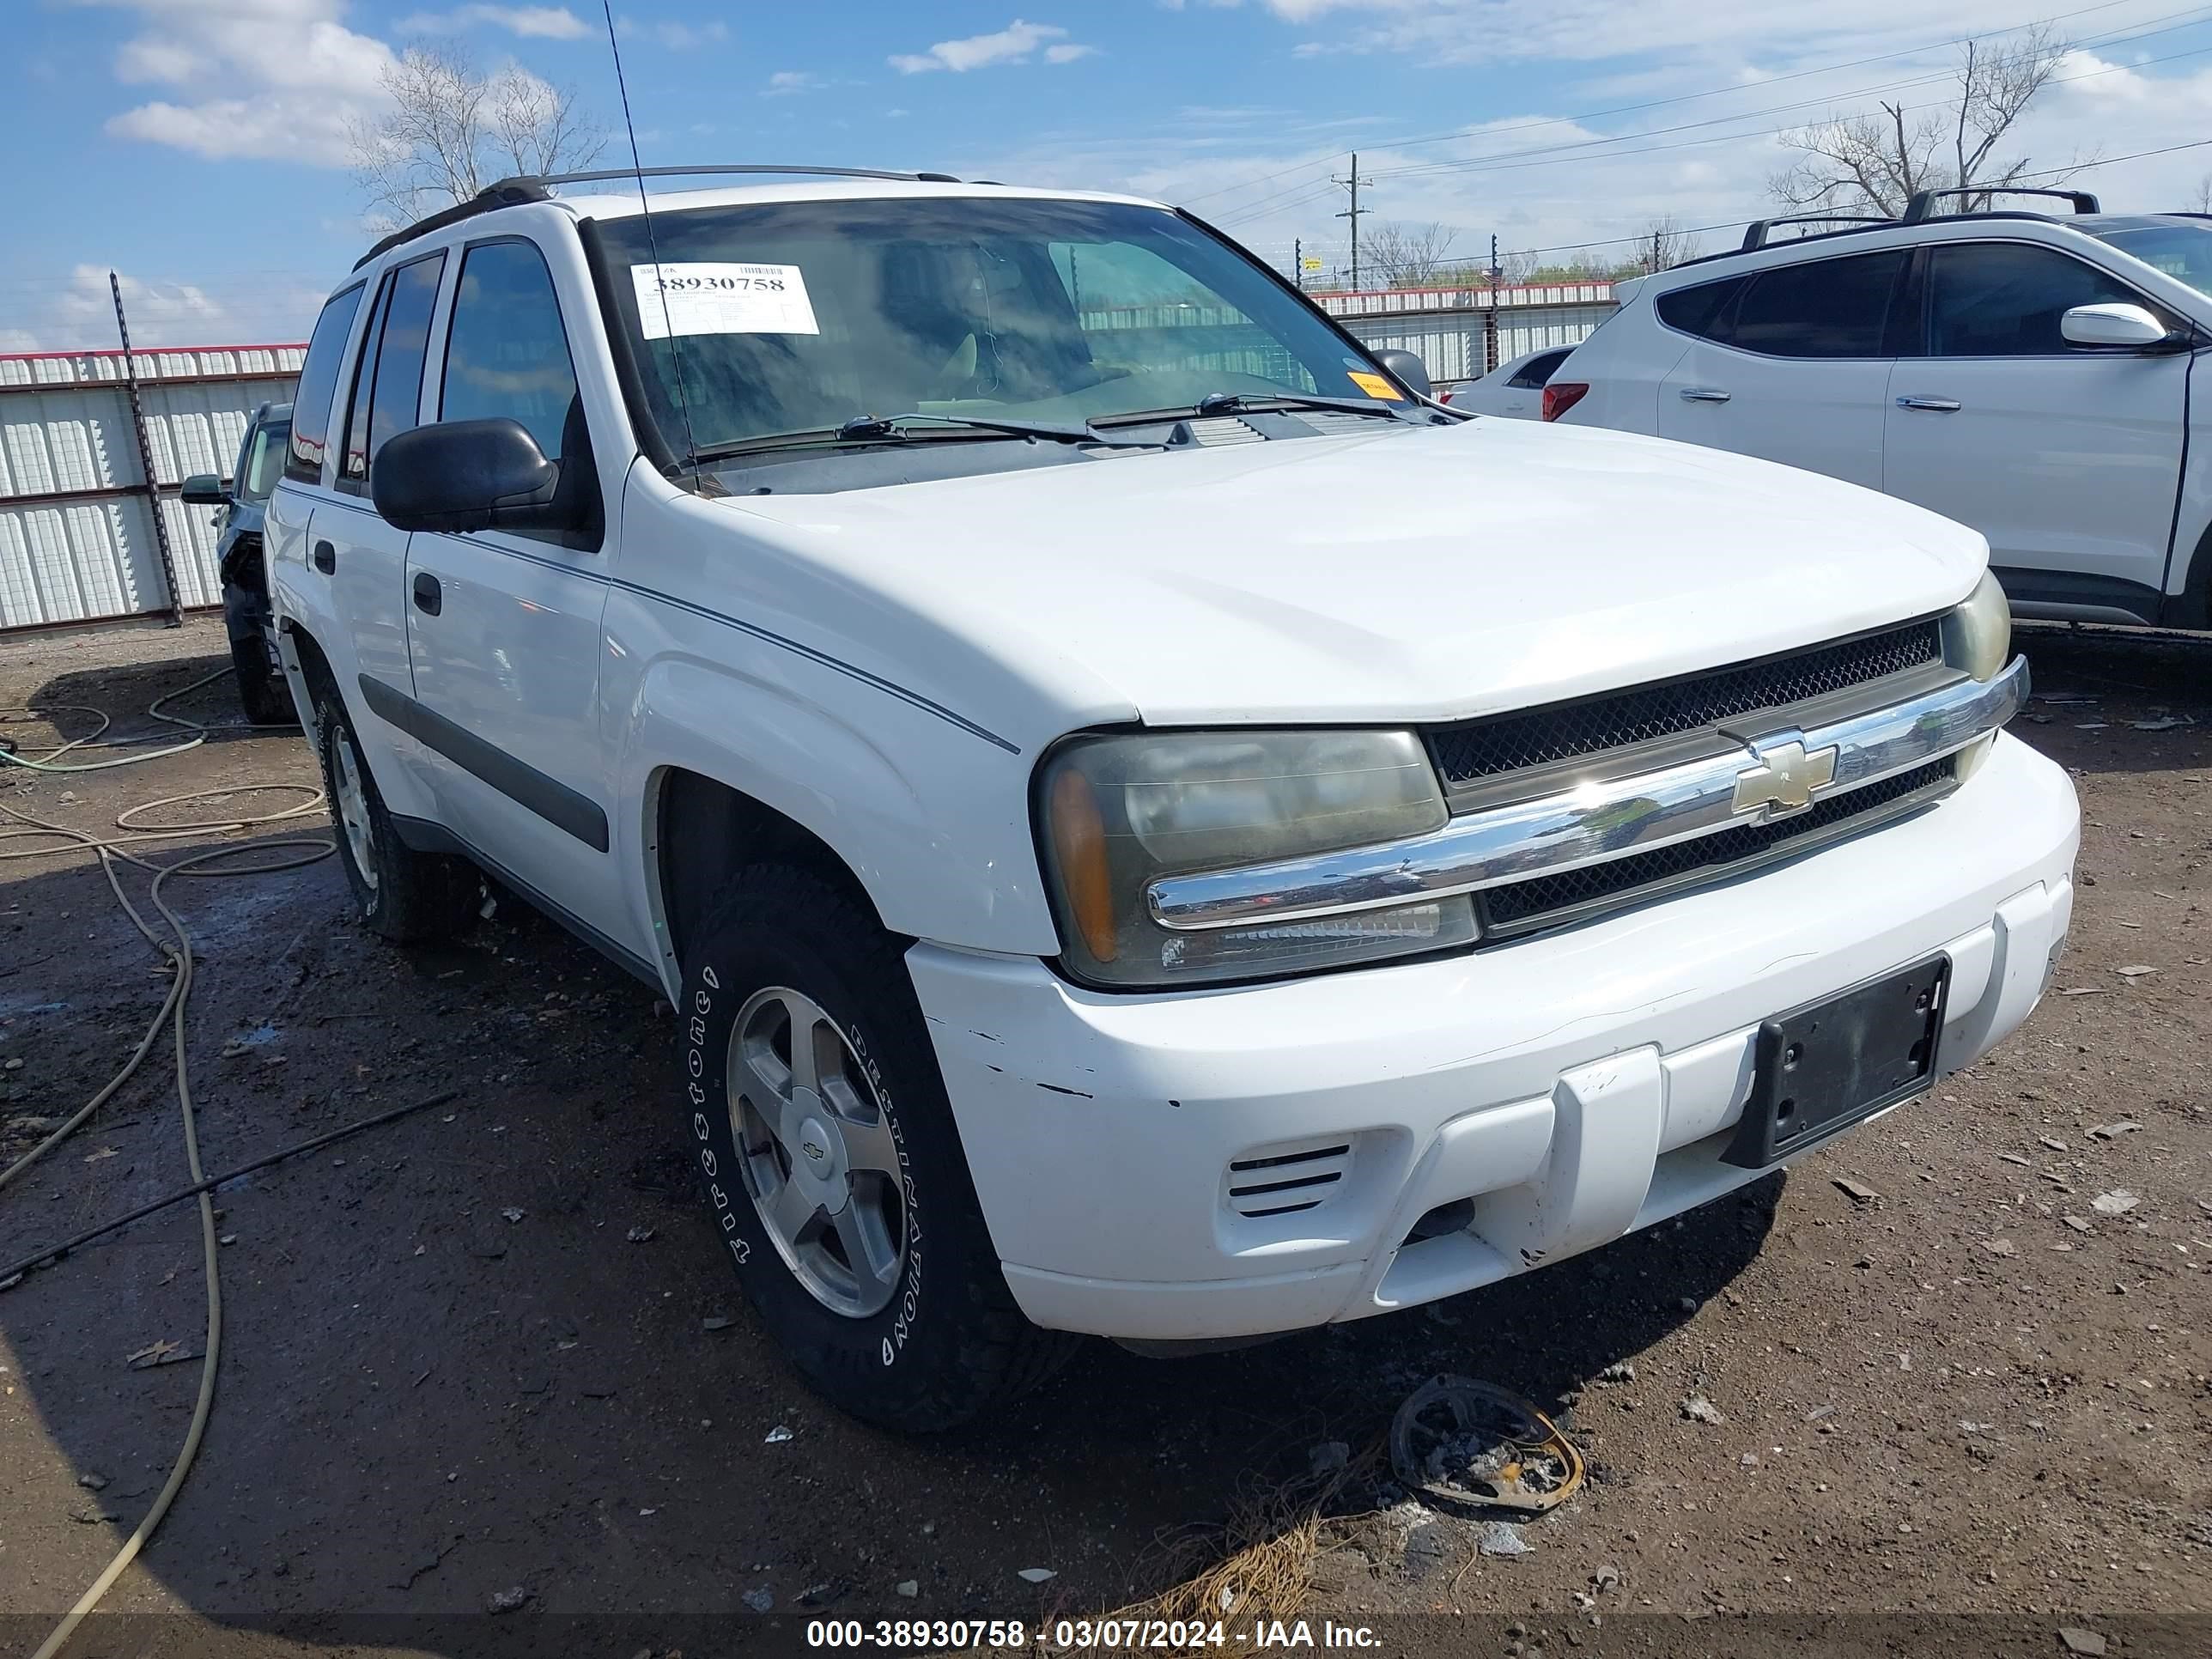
261, 688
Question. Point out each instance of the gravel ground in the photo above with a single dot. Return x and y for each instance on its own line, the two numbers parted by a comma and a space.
490, 1347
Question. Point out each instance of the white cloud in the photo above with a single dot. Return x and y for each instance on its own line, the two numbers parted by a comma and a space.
1015, 44
677, 37
290, 75
784, 82
79, 315
540, 23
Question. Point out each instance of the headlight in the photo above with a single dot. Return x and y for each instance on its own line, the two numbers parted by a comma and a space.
1116, 813
1977, 636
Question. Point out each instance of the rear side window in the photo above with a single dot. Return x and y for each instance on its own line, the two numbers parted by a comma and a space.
319, 385
2004, 299
1539, 369
388, 386
1698, 309
1822, 309
506, 350
264, 450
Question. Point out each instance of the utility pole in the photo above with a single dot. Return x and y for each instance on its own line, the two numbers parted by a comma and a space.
1490, 312
1354, 183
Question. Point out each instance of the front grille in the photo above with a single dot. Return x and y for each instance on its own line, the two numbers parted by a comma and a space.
1567, 731
1545, 901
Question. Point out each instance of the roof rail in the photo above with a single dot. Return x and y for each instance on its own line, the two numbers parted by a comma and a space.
507, 192
533, 187
598, 174
1754, 234
1922, 202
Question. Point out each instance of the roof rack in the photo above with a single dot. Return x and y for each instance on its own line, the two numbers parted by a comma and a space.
1922, 202
1754, 235
534, 187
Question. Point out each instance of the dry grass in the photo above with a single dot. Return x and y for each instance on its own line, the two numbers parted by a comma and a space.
1258, 1563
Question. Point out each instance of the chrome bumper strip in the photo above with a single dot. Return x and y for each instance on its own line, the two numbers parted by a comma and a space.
1774, 775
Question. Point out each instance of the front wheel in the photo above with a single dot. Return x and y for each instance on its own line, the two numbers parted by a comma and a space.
830, 1166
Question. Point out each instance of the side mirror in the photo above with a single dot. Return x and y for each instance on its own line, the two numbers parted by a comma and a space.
2120, 325
1408, 368
467, 474
205, 489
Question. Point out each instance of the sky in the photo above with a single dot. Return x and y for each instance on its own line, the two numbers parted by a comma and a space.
199, 148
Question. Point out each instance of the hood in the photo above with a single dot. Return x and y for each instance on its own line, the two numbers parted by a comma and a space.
1430, 574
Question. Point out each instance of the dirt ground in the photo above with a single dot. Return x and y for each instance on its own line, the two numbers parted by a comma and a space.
492, 1346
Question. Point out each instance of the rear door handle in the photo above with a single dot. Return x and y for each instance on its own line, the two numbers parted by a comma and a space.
1943, 405
1703, 394
429, 599
326, 557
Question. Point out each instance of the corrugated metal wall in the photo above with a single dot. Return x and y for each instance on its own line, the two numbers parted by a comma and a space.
76, 524
1445, 327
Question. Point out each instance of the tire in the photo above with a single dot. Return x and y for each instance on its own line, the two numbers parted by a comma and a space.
924, 1343
404, 895
262, 692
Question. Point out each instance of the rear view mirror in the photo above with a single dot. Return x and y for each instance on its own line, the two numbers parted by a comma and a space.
2118, 324
1409, 369
466, 475
204, 489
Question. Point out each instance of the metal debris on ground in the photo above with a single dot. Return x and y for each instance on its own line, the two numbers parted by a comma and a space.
1462, 1445
1502, 1540
512, 1213
777, 1436
1036, 1575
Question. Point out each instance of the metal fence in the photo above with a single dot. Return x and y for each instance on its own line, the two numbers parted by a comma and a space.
1463, 333
77, 515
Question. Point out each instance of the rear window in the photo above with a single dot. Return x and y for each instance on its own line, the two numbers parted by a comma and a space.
319, 385
1539, 368
1822, 309
1697, 310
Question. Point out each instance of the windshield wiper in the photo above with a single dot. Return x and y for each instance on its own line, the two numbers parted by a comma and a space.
892, 429
1250, 403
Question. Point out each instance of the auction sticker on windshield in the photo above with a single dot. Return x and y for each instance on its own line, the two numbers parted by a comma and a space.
722, 298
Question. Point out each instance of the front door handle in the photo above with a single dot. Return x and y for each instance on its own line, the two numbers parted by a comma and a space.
429, 599
1703, 394
1941, 405
326, 557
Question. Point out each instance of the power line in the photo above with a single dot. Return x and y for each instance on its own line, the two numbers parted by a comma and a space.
1683, 98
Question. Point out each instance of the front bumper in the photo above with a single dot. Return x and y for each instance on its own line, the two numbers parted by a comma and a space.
1575, 1086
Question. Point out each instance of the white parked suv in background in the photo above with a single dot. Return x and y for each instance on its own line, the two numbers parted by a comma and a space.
2027, 376
1515, 388
1128, 853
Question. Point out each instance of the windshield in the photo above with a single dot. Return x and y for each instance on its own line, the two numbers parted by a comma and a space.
264, 461
2183, 251
796, 316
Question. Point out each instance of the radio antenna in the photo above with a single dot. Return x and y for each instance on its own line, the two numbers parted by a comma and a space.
652, 243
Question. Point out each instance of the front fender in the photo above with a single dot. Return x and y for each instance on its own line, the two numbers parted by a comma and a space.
933, 820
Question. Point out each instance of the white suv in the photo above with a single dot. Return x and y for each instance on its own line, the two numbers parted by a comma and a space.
2027, 376
1017, 678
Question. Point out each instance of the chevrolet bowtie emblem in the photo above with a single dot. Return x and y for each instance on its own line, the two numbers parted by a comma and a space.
1786, 778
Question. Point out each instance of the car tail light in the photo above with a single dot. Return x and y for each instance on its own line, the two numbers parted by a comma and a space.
1444, 397
1561, 395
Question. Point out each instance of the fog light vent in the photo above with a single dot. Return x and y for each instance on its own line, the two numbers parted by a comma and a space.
1284, 1181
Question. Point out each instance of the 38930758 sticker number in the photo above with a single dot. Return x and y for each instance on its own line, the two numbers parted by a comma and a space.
721, 297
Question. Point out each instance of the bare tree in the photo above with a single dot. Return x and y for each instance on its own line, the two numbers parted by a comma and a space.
2203, 197
1405, 256
1664, 244
449, 130
1875, 163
